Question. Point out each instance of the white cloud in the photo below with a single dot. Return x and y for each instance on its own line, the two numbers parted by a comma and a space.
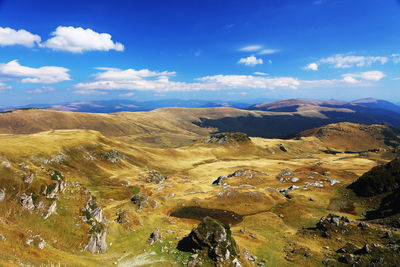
78, 40
260, 73
249, 81
40, 91
4, 86
268, 51
146, 80
251, 48
311, 66
46, 74
126, 95
250, 61
396, 58
342, 61
259, 49
367, 76
10, 36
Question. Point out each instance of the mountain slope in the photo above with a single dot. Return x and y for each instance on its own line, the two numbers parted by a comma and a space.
347, 136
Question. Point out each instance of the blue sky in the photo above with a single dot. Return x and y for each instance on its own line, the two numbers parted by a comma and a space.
63, 51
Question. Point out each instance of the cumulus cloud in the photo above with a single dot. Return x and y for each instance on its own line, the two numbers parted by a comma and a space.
311, 66
109, 79
46, 74
10, 36
78, 40
146, 80
250, 61
368, 76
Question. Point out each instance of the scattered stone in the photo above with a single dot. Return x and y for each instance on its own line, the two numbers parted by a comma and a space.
252, 236
326, 234
281, 147
333, 181
348, 248
336, 221
219, 180
6, 164
389, 234
363, 225
140, 200
364, 250
295, 179
113, 156
29, 178
311, 199
153, 177
154, 237
42, 244
2, 237
293, 187
285, 193
328, 261
348, 259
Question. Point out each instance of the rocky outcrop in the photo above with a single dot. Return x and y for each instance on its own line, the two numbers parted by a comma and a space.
152, 177
219, 180
29, 178
26, 201
214, 240
97, 243
2, 194
228, 138
140, 200
51, 210
93, 215
113, 156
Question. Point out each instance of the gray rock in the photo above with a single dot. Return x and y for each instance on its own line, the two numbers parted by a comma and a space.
97, 243
29, 178
219, 180
2, 194
51, 210
2, 237
389, 234
365, 249
154, 237
335, 221
27, 202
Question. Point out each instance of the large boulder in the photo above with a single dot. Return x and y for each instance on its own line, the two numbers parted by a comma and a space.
213, 239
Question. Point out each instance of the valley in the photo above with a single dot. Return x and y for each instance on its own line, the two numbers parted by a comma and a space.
124, 189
